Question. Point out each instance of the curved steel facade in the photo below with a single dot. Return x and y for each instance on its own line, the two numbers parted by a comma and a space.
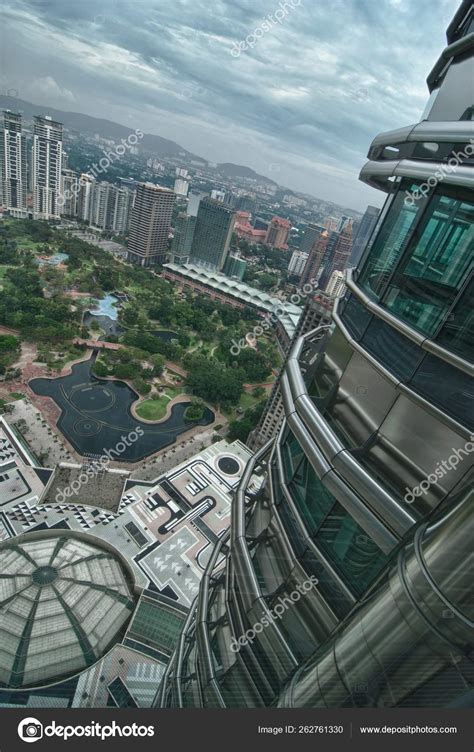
347, 579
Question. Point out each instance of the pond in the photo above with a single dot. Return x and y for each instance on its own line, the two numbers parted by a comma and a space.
106, 307
95, 415
57, 258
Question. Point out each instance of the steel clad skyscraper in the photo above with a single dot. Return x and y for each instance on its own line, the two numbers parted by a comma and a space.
346, 576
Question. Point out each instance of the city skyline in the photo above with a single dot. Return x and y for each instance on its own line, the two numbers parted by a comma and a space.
308, 132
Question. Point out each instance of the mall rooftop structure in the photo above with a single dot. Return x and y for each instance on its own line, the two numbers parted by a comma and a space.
347, 582
93, 600
233, 292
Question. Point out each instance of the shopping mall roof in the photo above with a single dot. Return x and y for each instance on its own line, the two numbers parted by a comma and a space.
234, 288
63, 601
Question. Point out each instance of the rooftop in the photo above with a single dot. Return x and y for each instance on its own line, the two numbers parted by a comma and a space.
62, 603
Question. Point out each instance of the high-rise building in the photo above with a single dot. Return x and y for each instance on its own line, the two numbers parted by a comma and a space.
297, 263
109, 207
183, 238
150, 224
313, 266
13, 165
86, 183
47, 167
278, 232
218, 195
343, 221
311, 235
339, 255
70, 191
235, 266
345, 582
331, 224
364, 231
181, 187
194, 199
213, 233
335, 286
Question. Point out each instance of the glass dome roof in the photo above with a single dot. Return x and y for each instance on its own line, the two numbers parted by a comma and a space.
62, 603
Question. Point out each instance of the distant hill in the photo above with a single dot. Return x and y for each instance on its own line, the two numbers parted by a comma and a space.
86, 124
229, 170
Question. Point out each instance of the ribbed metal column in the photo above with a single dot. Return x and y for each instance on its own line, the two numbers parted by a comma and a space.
418, 624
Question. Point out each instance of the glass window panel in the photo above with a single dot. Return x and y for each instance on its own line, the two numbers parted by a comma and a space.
355, 317
436, 264
392, 349
311, 498
292, 455
448, 387
457, 333
391, 241
357, 558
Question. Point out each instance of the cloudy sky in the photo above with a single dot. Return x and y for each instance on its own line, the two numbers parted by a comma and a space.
301, 103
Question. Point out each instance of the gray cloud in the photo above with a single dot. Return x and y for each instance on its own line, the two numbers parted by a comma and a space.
308, 97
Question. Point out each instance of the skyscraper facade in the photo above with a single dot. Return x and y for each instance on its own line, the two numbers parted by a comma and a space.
339, 257
345, 581
313, 266
47, 167
70, 191
149, 225
311, 235
13, 165
213, 233
278, 232
297, 263
183, 238
364, 231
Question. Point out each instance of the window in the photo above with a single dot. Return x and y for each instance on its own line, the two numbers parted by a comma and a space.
355, 317
457, 333
349, 549
435, 265
392, 349
311, 498
391, 240
448, 387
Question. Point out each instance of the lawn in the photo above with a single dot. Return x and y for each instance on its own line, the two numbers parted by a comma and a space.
155, 407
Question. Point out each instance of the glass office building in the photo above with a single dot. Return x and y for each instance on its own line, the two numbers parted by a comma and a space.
347, 579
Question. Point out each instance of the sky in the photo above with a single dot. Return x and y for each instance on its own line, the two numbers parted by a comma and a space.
295, 89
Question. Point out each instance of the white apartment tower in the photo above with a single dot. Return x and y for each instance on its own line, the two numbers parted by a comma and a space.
46, 167
13, 178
